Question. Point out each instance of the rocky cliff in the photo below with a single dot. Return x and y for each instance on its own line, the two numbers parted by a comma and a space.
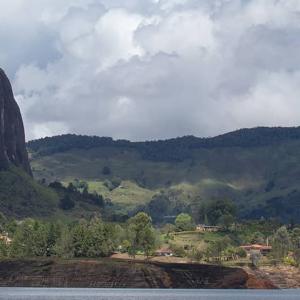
12, 136
108, 273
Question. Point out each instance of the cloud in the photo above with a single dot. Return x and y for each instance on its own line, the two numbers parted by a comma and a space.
152, 69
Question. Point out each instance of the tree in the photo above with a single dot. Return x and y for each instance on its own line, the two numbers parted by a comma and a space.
184, 222
116, 182
66, 203
297, 256
168, 228
281, 243
39, 239
64, 244
71, 187
141, 234
113, 183
215, 210
30, 239
178, 250
295, 238
255, 257
3, 221
196, 255
241, 252
3, 249
97, 199
217, 247
56, 185
226, 221
258, 238
159, 207
106, 171
80, 239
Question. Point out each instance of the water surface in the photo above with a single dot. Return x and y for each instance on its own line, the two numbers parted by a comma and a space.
137, 294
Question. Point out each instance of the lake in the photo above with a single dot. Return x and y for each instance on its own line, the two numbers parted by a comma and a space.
137, 294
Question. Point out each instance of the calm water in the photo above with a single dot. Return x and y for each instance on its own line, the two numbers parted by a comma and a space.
117, 294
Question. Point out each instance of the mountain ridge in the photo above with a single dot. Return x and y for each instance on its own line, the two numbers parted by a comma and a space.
245, 137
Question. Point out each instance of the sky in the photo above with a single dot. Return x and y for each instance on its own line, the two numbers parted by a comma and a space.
152, 69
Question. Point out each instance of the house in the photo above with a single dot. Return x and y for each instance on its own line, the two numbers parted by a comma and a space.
164, 252
207, 228
4, 237
263, 249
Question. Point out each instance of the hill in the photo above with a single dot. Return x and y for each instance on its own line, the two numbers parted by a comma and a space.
258, 168
21, 196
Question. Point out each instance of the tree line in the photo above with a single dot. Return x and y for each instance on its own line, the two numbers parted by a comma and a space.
176, 149
96, 238
85, 238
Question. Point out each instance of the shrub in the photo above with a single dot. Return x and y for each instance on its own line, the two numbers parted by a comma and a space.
255, 257
241, 252
178, 250
66, 203
112, 184
290, 261
196, 255
106, 171
184, 222
297, 256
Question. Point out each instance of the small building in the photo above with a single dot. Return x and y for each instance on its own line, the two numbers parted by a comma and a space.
4, 237
263, 249
207, 228
164, 252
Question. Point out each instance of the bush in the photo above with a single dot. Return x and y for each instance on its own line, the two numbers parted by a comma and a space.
290, 261
112, 184
3, 249
255, 257
56, 185
297, 256
241, 252
184, 222
116, 182
66, 203
178, 250
106, 171
196, 255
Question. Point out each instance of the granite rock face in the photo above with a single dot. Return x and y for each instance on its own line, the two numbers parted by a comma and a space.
12, 136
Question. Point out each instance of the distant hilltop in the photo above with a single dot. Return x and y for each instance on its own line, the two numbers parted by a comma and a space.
176, 149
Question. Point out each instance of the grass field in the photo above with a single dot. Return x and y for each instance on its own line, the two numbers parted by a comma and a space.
194, 239
128, 193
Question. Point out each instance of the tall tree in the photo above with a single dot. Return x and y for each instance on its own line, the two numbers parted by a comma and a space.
184, 222
141, 234
281, 243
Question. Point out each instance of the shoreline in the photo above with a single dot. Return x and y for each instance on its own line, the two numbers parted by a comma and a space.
281, 276
115, 273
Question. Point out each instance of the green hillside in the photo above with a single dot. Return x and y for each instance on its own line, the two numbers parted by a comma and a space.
21, 196
258, 168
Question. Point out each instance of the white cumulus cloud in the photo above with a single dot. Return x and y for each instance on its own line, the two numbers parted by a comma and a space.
152, 69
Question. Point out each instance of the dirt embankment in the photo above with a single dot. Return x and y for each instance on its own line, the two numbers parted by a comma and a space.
284, 277
109, 273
